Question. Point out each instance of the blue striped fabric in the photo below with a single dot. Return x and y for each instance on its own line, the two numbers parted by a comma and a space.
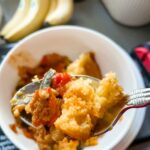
5, 143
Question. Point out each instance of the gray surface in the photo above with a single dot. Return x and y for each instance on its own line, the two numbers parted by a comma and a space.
144, 146
92, 14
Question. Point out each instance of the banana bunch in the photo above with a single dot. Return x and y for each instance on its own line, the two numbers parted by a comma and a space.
60, 12
32, 14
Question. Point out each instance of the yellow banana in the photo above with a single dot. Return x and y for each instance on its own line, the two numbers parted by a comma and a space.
53, 4
32, 22
19, 15
61, 14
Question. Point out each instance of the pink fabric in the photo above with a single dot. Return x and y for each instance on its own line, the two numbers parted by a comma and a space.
146, 62
141, 52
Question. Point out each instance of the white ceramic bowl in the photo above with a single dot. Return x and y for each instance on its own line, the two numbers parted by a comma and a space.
72, 41
129, 12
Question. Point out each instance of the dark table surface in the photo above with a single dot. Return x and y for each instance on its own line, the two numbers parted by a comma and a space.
92, 14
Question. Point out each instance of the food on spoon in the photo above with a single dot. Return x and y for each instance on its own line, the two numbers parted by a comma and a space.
83, 105
67, 112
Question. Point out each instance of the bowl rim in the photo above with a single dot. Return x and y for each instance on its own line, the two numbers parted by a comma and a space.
81, 29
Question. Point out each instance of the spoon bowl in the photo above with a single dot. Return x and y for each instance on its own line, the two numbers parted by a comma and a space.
137, 99
25, 94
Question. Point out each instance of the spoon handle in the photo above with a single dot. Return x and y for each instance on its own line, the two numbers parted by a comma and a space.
139, 98
139, 102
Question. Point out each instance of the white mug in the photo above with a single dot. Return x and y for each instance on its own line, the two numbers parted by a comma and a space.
129, 12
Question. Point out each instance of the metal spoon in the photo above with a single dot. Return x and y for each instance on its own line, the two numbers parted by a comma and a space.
24, 95
136, 99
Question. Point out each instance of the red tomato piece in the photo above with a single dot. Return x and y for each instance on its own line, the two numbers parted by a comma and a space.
60, 79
